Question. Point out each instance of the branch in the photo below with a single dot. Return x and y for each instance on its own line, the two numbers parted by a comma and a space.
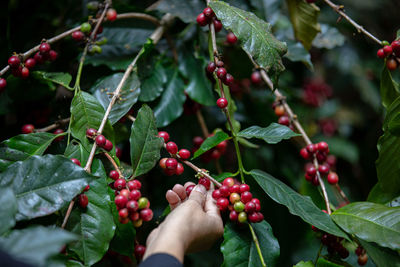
53, 126
202, 172
340, 10
255, 239
108, 156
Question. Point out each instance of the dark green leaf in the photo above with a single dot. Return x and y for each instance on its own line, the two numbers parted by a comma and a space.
8, 209
128, 96
72, 263
23, 146
35, 245
272, 134
270, 9
44, 184
153, 85
371, 222
297, 52
145, 144
329, 37
254, 35
211, 142
220, 177
60, 78
297, 204
239, 249
170, 106
382, 257
76, 150
95, 224
389, 88
331, 262
304, 264
186, 10
304, 18
377, 195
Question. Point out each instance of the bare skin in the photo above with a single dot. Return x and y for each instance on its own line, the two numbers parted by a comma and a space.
194, 223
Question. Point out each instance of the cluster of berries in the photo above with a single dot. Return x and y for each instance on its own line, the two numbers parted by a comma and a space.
236, 198
82, 198
170, 165
223, 75
334, 245
207, 17
283, 117
212, 154
98, 7
320, 151
139, 252
392, 53
316, 92
100, 140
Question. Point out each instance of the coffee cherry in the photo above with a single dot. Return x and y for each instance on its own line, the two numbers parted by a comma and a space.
27, 129
30, 63
253, 217
101, 140
224, 191
202, 20
387, 49
380, 53
359, 250
208, 12
234, 197
217, 25
221, 147
76, 161
244, 188
171, 163
246, 197
279, 110
311, 148
242, 217
118, 152
256, 78
124, 192
132, 206
172, 148
86, 27
134, 195
216, 194
396, 47
179, 169
83, 200
108, 145
111, 14
311, 171
143, 202
321, 157
222, 204
44, 48
233, 216
189, 189
211, 67
323, 146
362, 259
120, 184
24, 73
135, 184
120, 201
137, 223
284, 120
86, 188
139, 252
91, 132
238, 206
184, 153
391, 64
323, 169
315, 181
235, 189
250, 207
53, 55
304, 154
197, 141
146, 215
206, 182
3, 84
222, 102
221, 73
343, 252
164, 135
228, 182
57, 132
114, 175
231, 38
333, 178
123, 213
78, 36
14, 62
39, 58
161, 163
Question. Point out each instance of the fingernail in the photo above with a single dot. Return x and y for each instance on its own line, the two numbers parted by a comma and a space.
200, 188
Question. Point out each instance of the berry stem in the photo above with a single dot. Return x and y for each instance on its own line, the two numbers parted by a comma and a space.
200, 171
112, 161
53, 126
255, 239
342, 194
69, 210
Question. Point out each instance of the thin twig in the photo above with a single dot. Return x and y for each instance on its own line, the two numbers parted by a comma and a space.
130, 117
112, 161
53, 126
342, 194
71, 205
255, 240
202, 172
202, 123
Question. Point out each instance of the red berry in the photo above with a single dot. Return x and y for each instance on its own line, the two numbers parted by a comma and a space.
53, 55
210, 67
362, 259
14, 62
380, 53
208, 12
206, 182
132, 206
170, 172
202, 20
222, 203
333, 178
197, 141
216, 194
220, 63
221, 73
76, 161
231, 38
244, 188
146, 215
3, 84
387, 49
78, 35
172, 148
135, 195
179, 169
253, 217
260, 216
284, 120
321, 157
222, 102
24, 73
86, 188
101, 140
250, 207
233, 216
256, 201
304, 153
331, 160
323, 146
44, 48
279, 110
391, 64
171, 163
124, 192
396, 47
311, 171
234, 188
91, 132
58, 131
229, 79
256, 77
184, 153
323, 169
83, 200
164, 135
217, 25
120, 184
161, 163
123, 213
120, 201
224, 191
246, 197
189, 189
315, 181
139, 251
221, 147
118, 152
108, 145
359, 250
228, 182
28, 128
234, 197
308, 177
135, 184
30, 63
39, 58
311, 148
215, 154
114, 175
111, 14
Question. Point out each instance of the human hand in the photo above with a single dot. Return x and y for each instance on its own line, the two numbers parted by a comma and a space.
193, 224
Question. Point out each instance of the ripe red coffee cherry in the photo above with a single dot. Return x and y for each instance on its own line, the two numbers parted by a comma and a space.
244, 188
284, 120
164, 135
172, 148
111, 14
231, 38
83, 200
3, 84
220, 63
86, 188
120, 184
396, 47
30, 63
114, 175
246, 197
171, 163
256, 78
222, 102
381, 53
315, 181
100, 140
234, 188
233, 216
304, 153
250, 207
221, 147
211, 67
217, 25
146, 215
58, 131
14, 62
208, 12
39, 58
44, 48
120, 201
124, 192
118, 152
321, 157
215, 154
256, 201
132, 206
222, 204
135, 195
242, 217
234, 197
311, 171
53, 55
76, 161
391, 64
161, 163
311, 148
206, 182
221, 73
228, 182
91, 132
184, 153
323, 146
253, 216
108, 145
179, 169
216, 194
387, 49
28, 128
197, 141
189, 189
78, 35
333, 178
139, 251
323, 169
224, 191
24, 73
202, 20
135, 184
170, 172
123, 213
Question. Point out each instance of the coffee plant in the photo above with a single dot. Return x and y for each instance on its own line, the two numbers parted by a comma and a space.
131, 97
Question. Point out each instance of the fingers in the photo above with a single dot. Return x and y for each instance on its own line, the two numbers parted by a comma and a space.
198, 194
173, 199
180, 191
210, 207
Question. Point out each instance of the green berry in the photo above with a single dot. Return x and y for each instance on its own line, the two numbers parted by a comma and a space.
142, 202
385, 43
102, 41
239, 206
86, 27
242, 218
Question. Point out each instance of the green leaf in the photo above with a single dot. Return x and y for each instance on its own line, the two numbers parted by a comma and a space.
239, 249
8, 209
211, 142
371, 222
95, 224
331, 262
44, 184
297, 52
254, 35
272, 134
61, 78
145, 144
246, 143
297, 204
23, 146
128, 96
76, 150
304, 18
304, 264
389, 88
86, 112
382, 257
220, 177
170, 106
329, 37
153, 85
36, 244
186, 10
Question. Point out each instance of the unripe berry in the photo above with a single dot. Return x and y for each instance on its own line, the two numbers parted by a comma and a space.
202, 20
208, 12
333, 178
108, 145
135, 195
171, 163
101, 140
391, 64
91, 132
28, 128
222, 102
211, 67
120, 184
387, 49
162, 163
44, 48
164, 135
246, 197
146, 215
233, 216
78, 35
217, 25
137, 223
111, 14
234, 197
86, 27
216, 194
120, 201
222, 204
284, 120
206, 182
172, 148
143, 202
76, 161
231, 38
238, 206
83, 200
279, 110
14, 62
189, 189
114, 175
221, 73
244, 188
30, 63
256, 78
242, 217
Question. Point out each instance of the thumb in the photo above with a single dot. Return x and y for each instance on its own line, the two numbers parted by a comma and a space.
198, 194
